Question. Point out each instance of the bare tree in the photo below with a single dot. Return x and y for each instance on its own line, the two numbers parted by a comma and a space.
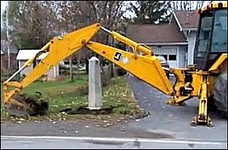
109, 14
33, 24
187, 5
199, 4
30, 23
76, 14
69, 19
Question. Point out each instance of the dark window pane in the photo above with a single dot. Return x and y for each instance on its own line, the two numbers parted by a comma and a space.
165, 56
172, 57
219, 38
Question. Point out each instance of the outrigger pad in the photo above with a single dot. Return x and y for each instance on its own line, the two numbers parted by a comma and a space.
31, 106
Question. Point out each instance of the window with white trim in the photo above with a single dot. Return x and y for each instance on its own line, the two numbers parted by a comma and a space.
168, 57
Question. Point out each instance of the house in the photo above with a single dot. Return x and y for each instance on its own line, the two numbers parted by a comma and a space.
188, 24
24, 55
13, 50
174, 41
165, 40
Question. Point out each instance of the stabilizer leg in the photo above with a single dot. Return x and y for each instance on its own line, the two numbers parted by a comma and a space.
202, 116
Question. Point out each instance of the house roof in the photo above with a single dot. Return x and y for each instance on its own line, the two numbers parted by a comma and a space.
186, 19
29, 53
151, 34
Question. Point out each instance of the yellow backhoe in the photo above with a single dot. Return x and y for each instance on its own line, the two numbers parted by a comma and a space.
206, 79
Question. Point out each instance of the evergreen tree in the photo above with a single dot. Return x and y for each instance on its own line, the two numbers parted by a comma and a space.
152, 12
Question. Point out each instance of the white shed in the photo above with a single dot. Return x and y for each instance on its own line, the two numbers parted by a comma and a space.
24, 55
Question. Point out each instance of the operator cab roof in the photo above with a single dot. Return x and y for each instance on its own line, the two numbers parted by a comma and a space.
213, 5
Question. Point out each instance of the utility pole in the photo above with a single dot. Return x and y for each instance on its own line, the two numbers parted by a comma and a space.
7, 34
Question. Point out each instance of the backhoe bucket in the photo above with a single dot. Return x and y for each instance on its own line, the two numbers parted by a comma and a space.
21, 105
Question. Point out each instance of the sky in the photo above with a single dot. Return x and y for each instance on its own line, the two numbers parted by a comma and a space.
3, 5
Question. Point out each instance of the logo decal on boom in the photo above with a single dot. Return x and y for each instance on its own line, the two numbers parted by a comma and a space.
117, 56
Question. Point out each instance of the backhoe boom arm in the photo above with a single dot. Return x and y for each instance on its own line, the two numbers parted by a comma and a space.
146, 67
139, 60
59, 48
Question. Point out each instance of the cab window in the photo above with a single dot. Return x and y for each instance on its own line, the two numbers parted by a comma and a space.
205, 31
219, 37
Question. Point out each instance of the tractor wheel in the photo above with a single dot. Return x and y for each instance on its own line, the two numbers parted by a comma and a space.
220, 94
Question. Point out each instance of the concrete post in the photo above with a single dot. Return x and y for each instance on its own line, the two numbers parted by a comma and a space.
95, 93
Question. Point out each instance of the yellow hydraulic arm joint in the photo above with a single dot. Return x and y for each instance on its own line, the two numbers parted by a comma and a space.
146, 67
220, 64
141, 62
58, 49
18, 86
135, 46
143, 65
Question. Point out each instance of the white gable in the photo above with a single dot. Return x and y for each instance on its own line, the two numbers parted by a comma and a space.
27, 54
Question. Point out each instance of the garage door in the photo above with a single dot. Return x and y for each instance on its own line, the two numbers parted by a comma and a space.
169, 53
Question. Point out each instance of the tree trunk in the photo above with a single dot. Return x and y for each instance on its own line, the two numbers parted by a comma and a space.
111, 68
87, 65
71, 70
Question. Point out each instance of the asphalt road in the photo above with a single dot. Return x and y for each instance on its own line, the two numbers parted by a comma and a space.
101, 143
174, 120
165, 123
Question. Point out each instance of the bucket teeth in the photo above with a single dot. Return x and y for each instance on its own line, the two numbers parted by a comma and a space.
29, 106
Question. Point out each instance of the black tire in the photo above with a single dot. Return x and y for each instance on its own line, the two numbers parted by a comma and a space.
220, 94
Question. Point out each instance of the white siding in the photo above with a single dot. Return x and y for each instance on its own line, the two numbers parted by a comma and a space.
27, 54
24, 55
168, 52
191, 38
26, 70
183, 61
51, 74
179, 51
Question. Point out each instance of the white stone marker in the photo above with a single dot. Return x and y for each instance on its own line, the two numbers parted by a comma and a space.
95, 93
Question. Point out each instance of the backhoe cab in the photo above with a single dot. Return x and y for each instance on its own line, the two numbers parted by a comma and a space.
205, 81
211, 41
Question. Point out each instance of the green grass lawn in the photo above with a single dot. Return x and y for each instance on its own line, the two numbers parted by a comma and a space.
65, 94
